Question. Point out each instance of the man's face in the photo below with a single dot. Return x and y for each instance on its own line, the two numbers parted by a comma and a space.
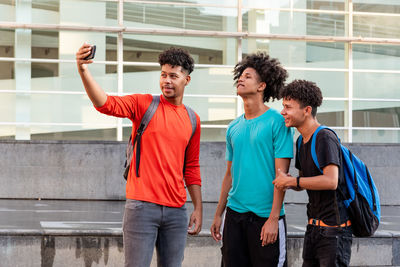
293, 113
249, 83
173, 81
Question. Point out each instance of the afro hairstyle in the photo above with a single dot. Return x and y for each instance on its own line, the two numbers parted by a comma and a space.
270, 71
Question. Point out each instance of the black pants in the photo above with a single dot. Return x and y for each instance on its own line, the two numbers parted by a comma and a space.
241, 244
327, 246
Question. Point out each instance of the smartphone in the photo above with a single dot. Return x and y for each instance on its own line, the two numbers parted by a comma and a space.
92, 53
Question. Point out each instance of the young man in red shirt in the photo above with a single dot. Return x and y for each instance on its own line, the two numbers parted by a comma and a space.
155, 212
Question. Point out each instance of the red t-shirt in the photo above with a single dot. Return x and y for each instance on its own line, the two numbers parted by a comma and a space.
162, 149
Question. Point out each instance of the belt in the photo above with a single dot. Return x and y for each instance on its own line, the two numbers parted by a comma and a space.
321, 223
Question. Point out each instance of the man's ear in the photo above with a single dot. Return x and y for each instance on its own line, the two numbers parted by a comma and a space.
262, 86
308, 110
187, 80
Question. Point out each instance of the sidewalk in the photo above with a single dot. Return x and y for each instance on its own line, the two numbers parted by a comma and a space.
57, 216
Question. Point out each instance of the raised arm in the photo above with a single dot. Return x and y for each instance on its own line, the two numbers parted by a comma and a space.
93, 89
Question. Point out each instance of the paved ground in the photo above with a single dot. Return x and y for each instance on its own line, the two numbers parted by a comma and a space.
104, 217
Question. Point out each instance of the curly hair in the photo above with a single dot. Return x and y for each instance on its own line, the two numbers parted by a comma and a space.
305, 92
177, 57
270, 71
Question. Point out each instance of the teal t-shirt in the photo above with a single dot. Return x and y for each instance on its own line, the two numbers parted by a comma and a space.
252, 146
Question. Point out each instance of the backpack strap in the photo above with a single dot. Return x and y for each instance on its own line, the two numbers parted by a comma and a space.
142, 127
315, 159
193, 121
138, 137
299, 141
313, 152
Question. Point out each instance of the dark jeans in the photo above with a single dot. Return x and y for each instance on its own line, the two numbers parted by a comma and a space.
241, 244
327, 246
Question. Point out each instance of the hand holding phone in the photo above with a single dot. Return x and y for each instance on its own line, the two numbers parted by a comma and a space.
92, 53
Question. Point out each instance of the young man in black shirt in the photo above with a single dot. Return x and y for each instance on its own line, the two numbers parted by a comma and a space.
328, 237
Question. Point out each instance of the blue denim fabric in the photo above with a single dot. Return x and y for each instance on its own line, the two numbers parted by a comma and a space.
147, 225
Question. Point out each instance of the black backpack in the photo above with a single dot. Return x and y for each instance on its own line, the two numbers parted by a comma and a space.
143, 125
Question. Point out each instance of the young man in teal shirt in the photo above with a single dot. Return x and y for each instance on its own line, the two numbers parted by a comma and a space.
257, 144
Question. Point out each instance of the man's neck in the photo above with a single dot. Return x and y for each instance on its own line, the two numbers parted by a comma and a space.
253, 107
176, 101
308, 128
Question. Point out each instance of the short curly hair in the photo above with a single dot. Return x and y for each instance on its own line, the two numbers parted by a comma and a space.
305, 92
177, 57
270, 71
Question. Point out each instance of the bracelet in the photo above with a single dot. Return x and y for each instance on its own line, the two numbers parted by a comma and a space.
298, 182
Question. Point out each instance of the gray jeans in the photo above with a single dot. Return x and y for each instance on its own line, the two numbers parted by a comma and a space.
147, 225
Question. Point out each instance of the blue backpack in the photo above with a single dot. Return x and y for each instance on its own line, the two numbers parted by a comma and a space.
362, 198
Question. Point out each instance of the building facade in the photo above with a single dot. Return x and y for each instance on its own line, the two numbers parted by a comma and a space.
350, 48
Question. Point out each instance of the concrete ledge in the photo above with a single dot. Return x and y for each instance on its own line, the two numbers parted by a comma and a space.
92, 170
72, 250
81, 233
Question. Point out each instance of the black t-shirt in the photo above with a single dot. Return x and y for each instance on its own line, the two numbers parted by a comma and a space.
321, 202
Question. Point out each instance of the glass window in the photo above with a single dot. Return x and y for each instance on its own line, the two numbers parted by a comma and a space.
141, 80
296, 23
338, 5
41, 70
65, 109
204, 81
7, 50
44, 77
173, 16
6, 72
376, 136
54, 132
376, 26
45, 44
371, 56
331, 113
301, 4
376, 85
44, 11
7, 107
376, 6
7, 11
213, 110
298, 53
204, 50
331, 83
213, 134
102, 13
201, 2
376, 114
7, 132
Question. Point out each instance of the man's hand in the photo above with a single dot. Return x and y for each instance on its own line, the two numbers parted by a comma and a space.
83, 52
283, 180
195, 222
216, 228
269, 231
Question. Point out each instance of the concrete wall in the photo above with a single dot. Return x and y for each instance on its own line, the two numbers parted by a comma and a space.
81, 250
93, 170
